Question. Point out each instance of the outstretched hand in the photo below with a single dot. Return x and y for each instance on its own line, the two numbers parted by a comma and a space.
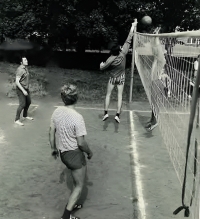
134, 23
101, 64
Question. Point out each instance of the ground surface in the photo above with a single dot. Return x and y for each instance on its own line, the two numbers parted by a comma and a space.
130, 171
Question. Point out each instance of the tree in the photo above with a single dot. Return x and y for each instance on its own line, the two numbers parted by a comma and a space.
89, 22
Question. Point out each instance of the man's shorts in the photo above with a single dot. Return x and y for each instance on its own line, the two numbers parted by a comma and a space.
118, 80
73, 159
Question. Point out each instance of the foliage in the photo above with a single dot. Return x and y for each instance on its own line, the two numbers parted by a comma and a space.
91, 23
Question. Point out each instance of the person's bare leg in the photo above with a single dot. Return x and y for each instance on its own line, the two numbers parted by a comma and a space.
79, 180
120, 93
119, 103
108, 94
107, 100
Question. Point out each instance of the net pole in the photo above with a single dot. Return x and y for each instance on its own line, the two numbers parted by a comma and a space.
194, 107
197, 126
133, 65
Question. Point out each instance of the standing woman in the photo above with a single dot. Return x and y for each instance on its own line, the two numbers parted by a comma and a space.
116, 64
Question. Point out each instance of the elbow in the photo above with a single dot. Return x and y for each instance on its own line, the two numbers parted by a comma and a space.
17, 83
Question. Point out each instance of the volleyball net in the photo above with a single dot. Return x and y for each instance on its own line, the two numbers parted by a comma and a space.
167, 65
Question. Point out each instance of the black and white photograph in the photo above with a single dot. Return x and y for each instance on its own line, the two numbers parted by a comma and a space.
99, 109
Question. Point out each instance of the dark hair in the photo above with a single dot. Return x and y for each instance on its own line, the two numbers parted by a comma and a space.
115, 50
69, 94
69, 100
19, 58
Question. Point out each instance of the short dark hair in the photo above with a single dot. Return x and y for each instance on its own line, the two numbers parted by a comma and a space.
69, 94
115, 50
20, 57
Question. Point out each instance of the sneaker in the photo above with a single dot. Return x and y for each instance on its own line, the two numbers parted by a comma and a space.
152, 127
148, 125
117, 119
74, 217
105, 117
29, 118
19, 123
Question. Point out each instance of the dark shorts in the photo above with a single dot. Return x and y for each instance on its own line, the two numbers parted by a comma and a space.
74, 159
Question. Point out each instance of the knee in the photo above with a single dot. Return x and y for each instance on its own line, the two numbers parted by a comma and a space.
28, 101
22, 105
108, 94
120, 95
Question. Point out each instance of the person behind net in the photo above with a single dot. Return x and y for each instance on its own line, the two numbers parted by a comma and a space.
159, 80
192, 83
67, 138
116, 64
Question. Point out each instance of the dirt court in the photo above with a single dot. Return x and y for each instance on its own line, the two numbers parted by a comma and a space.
130, 175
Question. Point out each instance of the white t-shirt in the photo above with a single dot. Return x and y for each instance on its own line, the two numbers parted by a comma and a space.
69, 125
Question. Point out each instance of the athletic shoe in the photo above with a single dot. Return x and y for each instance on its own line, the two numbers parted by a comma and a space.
148, 125
152, 127
29, 118
117, 119
105, 117
74, 217
19, 123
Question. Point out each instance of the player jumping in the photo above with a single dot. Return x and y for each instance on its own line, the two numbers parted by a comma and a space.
116, 64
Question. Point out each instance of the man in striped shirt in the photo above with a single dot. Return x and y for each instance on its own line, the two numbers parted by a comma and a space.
67, 138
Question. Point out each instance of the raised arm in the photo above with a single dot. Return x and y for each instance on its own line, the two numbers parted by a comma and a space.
127, 43
159, 60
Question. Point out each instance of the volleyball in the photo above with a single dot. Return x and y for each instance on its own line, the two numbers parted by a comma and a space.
146, 20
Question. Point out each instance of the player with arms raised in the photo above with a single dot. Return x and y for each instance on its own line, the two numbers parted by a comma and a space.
159, 79
116, 64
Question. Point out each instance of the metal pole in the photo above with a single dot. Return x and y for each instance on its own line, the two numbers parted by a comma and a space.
133, 65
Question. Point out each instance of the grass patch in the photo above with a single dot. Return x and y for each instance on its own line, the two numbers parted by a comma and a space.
38, 80
92, 85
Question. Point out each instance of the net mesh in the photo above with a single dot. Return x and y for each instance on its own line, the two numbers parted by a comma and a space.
167, 68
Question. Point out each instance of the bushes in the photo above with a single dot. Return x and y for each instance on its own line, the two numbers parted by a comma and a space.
38, 57
92, 84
